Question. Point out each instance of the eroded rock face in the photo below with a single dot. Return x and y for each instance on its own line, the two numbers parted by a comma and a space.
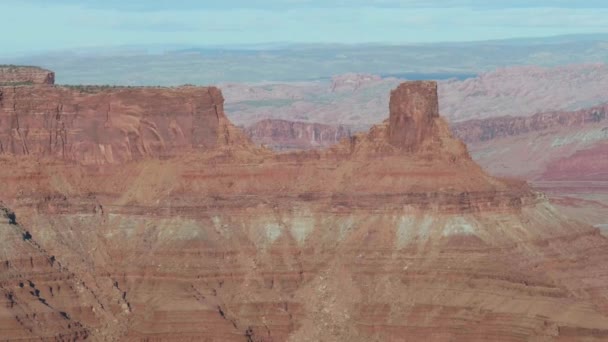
97, 125
44, 300
18, 75
382, 237
413, 108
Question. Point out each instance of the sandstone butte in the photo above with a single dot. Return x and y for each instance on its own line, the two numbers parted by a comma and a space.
144, 214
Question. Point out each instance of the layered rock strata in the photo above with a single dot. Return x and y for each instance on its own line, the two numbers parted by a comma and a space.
565, 153
473, 131
102, 125
386, 236
547, 146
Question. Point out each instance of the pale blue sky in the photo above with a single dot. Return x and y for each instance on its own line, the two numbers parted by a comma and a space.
38, 25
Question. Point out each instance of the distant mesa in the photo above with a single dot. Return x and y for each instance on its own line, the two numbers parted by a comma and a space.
25, 75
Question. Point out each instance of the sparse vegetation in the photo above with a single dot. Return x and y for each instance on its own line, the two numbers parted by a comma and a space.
13, 67
94, 89
16, 84
91, 89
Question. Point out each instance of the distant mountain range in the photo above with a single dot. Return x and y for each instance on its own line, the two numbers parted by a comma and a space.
283, 62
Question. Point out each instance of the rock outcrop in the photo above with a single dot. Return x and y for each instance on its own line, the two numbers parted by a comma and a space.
22, 75
414, 106
101, 125
382, 237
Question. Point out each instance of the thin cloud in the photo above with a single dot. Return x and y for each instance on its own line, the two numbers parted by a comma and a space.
162, 5
65, 24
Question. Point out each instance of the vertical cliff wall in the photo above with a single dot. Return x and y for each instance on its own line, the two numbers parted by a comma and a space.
413, 108
97, 125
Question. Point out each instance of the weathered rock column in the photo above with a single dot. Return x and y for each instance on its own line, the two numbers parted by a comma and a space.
413, 107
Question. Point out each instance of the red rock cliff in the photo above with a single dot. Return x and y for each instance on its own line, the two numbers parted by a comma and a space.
97, 125
11, 75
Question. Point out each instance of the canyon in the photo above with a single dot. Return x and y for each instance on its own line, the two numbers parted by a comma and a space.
544, 125
358, 100
563, 153
145, 214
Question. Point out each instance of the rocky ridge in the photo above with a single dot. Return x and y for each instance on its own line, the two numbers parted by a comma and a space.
388, 235
473, 131
525, 91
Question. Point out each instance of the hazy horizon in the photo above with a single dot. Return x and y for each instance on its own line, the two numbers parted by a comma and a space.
71, 24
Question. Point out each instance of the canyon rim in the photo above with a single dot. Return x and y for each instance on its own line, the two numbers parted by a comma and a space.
144, 214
